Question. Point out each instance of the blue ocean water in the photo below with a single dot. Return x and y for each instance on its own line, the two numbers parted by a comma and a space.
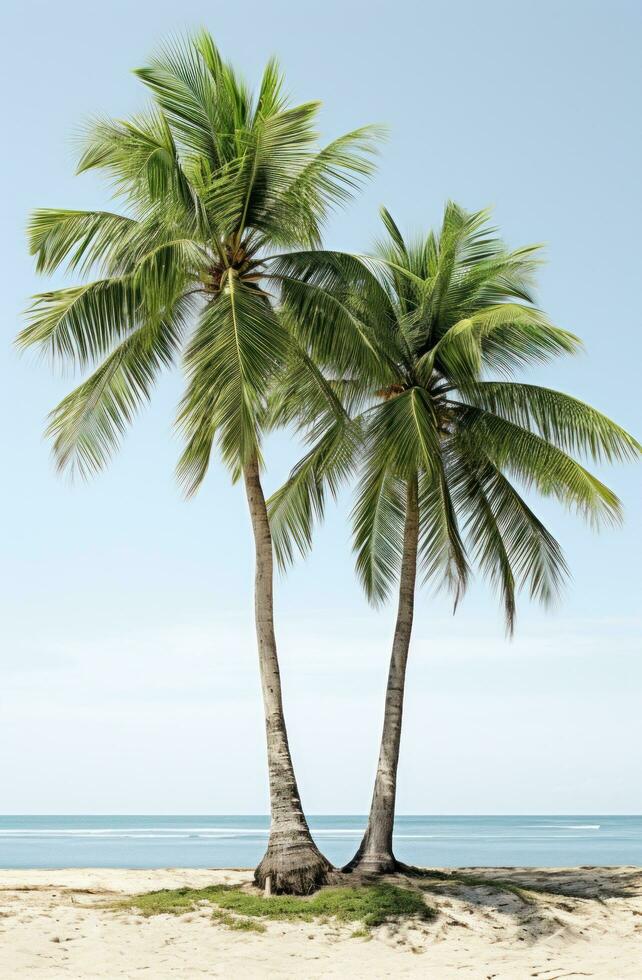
239, 841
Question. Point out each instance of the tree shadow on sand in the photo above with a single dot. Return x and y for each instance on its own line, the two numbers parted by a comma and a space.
538, 903
597, 883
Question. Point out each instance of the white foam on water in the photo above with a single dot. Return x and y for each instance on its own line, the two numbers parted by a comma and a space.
584, 826
564, 826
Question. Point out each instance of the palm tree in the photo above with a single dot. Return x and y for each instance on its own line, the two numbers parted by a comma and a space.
439, 445
214, 183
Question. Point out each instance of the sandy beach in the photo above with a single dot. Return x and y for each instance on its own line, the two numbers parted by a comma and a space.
60, 924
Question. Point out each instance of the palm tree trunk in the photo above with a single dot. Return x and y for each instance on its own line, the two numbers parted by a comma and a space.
292, 863
375, 854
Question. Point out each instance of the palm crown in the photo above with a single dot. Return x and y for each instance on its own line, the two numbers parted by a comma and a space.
435, 320
214, 182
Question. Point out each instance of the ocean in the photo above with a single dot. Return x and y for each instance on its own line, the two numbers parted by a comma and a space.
239, 841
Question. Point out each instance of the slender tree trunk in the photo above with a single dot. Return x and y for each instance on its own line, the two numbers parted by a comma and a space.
292, 863
375, 854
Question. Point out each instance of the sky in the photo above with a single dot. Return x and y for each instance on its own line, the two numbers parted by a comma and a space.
128, 673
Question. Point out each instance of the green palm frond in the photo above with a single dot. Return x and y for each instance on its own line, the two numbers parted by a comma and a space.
300, 503
199, 100
509, 543
464, 239
271, 98
536, 557
82, 239
319, 408
405, 429
330, 178
378, 525
513, 336
236, 350
80, 324
167, 269
394, 233
141, 158
502, 337
303, 396
87, 425
569, 423
317, 288
244, 191
486, 536
501, 276
538, 464
442, 552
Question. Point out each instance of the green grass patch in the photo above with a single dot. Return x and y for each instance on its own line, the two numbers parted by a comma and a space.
371, 905
240, 924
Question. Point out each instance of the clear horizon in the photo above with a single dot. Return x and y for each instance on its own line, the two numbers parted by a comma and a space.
129, 674
311, 815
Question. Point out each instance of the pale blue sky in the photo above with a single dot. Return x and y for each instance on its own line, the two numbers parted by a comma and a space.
128, 676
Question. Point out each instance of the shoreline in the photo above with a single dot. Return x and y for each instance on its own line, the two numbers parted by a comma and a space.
577, 921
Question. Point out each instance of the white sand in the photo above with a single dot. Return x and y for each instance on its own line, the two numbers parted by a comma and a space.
52, 925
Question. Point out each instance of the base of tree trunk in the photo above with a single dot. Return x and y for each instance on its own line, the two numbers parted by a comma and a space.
298, 869
373, 865
368, 868
370, 864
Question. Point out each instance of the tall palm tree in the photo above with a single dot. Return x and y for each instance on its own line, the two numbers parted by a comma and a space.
214, 183
440, 434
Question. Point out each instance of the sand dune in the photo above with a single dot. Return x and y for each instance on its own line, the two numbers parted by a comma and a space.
586, 923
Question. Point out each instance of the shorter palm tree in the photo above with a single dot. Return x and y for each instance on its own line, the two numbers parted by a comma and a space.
214, 182
439, 447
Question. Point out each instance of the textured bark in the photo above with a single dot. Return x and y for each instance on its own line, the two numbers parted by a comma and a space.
375, 854
292, 860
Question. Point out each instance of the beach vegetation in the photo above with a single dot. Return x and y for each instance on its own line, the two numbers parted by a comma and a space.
369, 905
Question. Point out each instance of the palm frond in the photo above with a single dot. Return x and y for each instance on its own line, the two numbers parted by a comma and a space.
244, 191
141, 158
569, 423
83, 323
487, 543
317, 289
236, 349
82, 239
303, 396
378, 521
194, 97
393, 231
510, 544
88, 424
537, 464
502, 337
442, 552
405, 429
502, 276
328, 179
300, 503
